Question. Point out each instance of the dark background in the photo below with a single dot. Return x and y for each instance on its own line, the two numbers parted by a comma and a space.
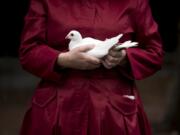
160, 93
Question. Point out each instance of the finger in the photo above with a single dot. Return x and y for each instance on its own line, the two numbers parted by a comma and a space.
92, 59
113, 60
114, 53
109, 64
85, 48
91, 66
123, 58
105, 65
123, 53
95, 66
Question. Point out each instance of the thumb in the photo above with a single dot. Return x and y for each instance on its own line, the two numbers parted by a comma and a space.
85, 48
123, 53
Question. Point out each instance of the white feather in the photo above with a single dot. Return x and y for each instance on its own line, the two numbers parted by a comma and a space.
129, 96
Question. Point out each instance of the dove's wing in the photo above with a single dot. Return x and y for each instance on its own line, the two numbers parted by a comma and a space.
99, 50
102, 48
83, 42
108, 41
89, 40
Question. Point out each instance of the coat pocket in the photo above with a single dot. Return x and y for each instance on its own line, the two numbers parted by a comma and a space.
43, 96
124, 105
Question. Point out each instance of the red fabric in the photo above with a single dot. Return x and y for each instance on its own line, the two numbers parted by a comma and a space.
75, 102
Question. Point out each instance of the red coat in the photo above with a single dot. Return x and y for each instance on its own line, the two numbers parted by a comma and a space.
76, 102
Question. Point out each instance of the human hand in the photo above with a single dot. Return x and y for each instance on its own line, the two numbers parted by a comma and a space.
78, 59
114, 58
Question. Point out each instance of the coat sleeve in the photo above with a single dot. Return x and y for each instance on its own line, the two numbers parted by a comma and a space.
147, 58
35, 55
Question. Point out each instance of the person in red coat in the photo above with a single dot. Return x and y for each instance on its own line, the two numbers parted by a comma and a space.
77, 94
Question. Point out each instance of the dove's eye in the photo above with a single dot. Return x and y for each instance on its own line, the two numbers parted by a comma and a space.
72, 34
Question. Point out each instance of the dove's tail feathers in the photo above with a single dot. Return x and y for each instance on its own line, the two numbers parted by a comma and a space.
126, 44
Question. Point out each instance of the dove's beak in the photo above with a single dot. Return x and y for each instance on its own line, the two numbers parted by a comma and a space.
67, 37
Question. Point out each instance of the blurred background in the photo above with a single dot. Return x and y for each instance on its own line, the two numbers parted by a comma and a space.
160, 93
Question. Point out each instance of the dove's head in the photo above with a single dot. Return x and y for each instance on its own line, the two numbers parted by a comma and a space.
74, 35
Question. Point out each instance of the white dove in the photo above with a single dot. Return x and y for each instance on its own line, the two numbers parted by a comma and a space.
101, 47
